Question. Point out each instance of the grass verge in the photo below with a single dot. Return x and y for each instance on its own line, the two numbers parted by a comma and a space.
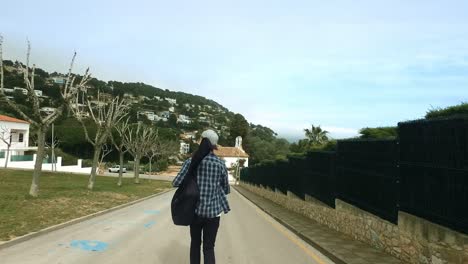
62, 197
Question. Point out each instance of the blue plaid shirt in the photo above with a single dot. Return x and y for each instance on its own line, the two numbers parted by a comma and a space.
212, 179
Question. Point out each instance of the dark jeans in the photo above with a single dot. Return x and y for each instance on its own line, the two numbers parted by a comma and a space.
209, 227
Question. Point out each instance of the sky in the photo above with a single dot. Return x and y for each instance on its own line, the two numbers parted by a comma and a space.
340, 64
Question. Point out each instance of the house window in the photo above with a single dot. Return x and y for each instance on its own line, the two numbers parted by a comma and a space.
20, 137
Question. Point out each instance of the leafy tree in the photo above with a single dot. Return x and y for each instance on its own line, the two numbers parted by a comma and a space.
72, 137
41, 73
316, 135
262, 150
99, 85
52, 91
172, 120
8, 63
262, 132
237, 127
12, 79
167, 134
282, 148
301, 146
456, 110
316, 139
20, 98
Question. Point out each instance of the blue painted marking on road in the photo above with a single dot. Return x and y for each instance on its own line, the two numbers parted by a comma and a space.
89, 245
152, 212
150, 224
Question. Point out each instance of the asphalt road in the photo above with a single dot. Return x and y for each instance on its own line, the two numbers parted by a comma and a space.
144, 233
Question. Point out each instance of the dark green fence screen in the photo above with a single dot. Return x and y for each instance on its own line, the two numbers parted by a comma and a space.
424, 172
367, 176
434, 171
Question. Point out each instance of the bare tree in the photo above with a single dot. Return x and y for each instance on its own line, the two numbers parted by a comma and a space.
105, 115
137, 141
105, 150
40, 122
5, 137
152, 150
121, 130
161, 149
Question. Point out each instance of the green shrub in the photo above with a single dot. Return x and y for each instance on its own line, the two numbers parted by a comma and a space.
87, 163
456, 110
379, 132
161, 165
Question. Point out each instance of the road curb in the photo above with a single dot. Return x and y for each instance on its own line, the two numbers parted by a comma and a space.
319, 248
49, 229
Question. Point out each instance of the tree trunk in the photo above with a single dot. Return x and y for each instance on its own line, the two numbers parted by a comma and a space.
137, 169
92, 177
7, 156
150, 161
34, 190
121, 157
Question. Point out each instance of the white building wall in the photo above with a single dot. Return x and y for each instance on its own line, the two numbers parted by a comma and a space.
47, 166
16, 128
230, 161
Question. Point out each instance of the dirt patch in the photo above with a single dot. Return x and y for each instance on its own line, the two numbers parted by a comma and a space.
114, 196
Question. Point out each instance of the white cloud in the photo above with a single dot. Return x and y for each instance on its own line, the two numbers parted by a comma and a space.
341, 132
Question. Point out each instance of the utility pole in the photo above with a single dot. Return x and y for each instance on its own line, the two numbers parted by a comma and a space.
54, 165
7, 158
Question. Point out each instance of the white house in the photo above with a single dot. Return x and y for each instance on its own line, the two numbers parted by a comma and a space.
150, 115
128, 95
184, 147
48, 110
15, 131
142, 98
59, 80
165, 114
171, 101
171, 109
22, 90
8, 90
233, 155
189, 136
38, 93
184, 119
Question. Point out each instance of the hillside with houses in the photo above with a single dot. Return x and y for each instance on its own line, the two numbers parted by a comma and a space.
178, 116
148, 103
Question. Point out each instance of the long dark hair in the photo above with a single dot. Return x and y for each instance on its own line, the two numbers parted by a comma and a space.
203, 150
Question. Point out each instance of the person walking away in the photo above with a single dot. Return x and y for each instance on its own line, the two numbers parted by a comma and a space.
212, 180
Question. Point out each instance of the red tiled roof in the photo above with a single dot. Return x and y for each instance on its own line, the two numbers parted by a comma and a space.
5, 118
230, 152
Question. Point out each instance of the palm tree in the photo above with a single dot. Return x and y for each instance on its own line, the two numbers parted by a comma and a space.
316, 135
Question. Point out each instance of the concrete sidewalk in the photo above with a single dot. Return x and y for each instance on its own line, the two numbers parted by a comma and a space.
336, 246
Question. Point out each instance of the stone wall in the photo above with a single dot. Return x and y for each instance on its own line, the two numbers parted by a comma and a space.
413, 240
